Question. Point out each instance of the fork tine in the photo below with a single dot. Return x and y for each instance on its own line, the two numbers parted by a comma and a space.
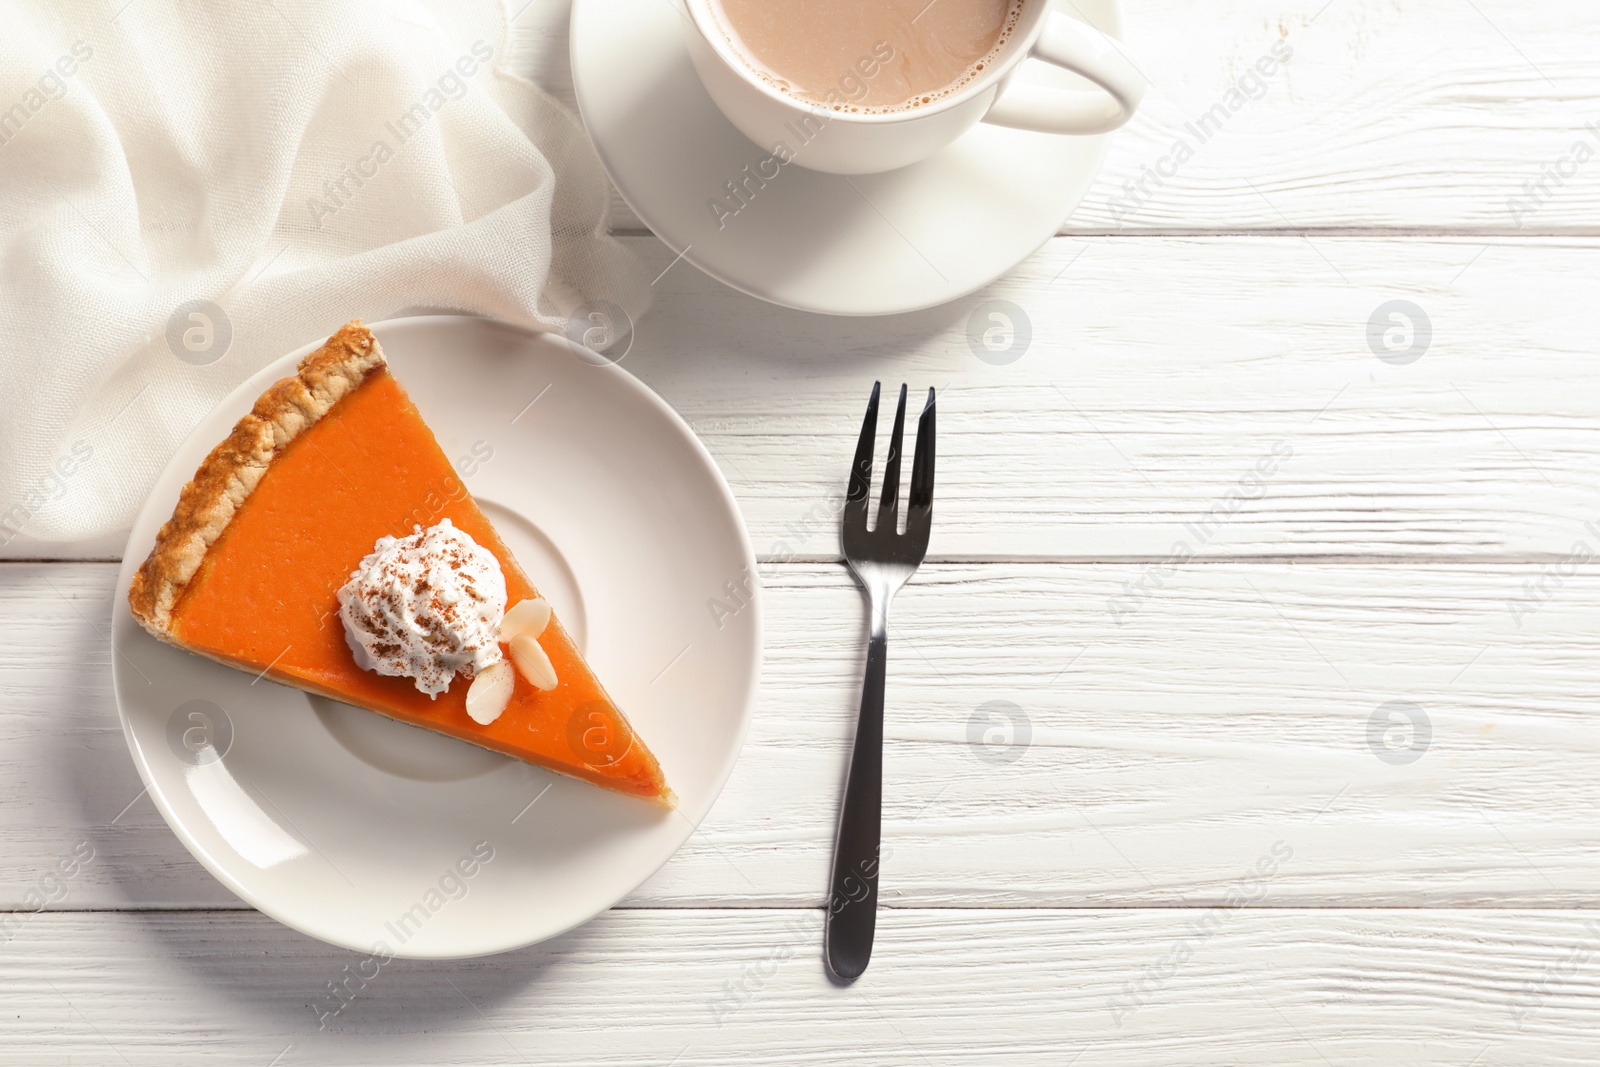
922, 464
855, 507
889, 506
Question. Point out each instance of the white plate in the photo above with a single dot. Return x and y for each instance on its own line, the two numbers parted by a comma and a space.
865, 245
350, 827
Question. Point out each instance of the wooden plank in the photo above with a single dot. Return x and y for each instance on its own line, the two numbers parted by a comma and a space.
1240, 986
1222, 393
1170, 736
1432, 115
1163, 376
1429, 115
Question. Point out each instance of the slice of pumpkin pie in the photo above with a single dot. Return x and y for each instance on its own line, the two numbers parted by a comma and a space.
328, 544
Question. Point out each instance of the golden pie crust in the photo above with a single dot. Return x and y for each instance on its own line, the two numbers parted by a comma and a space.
234, 468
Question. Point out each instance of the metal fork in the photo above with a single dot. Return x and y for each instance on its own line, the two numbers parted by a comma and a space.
881, 559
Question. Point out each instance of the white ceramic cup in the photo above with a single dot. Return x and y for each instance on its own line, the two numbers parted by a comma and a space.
841, 141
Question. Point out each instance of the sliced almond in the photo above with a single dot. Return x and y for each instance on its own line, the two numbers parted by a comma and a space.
532, 663
525, 617
490, 692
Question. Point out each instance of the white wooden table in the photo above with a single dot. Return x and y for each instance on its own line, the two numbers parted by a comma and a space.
1199, 848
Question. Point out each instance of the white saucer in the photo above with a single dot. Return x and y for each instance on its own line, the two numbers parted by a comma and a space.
866, 245
356, 829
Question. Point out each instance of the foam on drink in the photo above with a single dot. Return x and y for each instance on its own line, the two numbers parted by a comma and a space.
871, 57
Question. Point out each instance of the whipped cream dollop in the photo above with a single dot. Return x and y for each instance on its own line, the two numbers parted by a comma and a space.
426, 607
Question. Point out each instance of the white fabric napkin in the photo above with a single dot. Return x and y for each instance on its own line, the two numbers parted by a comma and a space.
190, 189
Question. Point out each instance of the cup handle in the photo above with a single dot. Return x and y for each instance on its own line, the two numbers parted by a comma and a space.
1082, 49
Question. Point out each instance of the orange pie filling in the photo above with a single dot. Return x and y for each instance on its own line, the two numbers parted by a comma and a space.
265, 597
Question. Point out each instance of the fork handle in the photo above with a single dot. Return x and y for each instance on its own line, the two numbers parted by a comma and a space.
853, 900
